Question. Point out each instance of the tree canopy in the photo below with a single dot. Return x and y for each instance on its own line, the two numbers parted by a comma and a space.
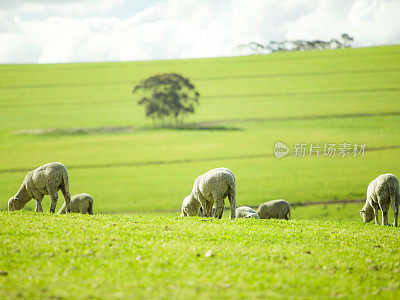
167, 97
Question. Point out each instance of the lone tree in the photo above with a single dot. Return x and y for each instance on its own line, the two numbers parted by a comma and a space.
167, 97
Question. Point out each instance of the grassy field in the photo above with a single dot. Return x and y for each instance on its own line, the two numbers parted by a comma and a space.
116, 256
85, 116
246, 105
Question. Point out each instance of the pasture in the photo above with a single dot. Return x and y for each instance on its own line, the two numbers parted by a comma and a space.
246, 105
85, 116
125, 256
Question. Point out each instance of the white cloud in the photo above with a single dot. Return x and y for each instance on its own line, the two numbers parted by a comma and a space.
63, 7
374, 22
185, 28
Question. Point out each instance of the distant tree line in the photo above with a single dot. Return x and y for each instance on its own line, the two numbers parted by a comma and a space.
297, 45
167, 98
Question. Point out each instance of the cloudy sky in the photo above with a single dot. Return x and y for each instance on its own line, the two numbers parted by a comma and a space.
48, 31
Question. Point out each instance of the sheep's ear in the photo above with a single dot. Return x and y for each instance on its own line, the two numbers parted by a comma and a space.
360, 211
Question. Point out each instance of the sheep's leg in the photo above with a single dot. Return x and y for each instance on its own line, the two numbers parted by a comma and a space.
375, 208
286, 216
209, 207
38, 197
219, 207
396, 215
54, 199
232, 203
201, 212
385, 220
39, 207
67, 198
395, 206
220, 215
203, 202
383, 201
52, 189
90, 209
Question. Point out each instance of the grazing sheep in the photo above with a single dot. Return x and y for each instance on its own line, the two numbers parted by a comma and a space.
81, 203
246, 212
278, 209
382, 192
213, 187
45, 180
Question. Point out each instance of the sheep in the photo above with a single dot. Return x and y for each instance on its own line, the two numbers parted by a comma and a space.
213, 187
278, 209
246, 212
81, 203
382, 192
45, 180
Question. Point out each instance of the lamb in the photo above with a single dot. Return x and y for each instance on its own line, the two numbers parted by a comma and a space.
45, 180
382, 192
213, 187
81, 203
278, 209
246, 212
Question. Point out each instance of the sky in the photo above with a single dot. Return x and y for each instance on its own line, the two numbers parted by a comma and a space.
48, 31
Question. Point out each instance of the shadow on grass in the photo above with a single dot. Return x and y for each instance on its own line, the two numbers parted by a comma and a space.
209, 128
120, 129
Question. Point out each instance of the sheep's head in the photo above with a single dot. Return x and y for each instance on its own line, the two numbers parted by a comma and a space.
367, 213
253, 215
14, 204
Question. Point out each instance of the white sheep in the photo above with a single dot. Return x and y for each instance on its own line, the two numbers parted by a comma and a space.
81, 203
278, 209
382, 192
213, 187
246, 212
45, 180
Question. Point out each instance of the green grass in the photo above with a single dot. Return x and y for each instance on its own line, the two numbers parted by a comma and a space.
113, 256
248, 103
